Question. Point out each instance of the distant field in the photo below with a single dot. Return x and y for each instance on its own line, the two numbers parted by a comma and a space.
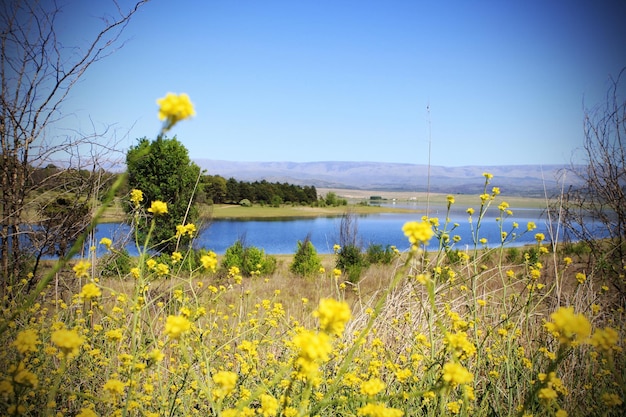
469, 200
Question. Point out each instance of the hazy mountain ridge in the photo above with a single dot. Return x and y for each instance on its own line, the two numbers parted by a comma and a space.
512, 179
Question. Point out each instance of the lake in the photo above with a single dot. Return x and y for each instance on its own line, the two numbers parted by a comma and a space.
280, 236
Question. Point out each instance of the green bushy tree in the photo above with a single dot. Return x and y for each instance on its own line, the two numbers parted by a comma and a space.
162, 170
306, 261
249, 259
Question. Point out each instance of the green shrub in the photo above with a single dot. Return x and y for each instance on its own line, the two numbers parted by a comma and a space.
249, 259
376, 254
305, 261
115, 264
352, 262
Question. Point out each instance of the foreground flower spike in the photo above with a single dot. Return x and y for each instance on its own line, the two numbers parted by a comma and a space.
173, 108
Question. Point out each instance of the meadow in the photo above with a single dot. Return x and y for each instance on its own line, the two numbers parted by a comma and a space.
483, 331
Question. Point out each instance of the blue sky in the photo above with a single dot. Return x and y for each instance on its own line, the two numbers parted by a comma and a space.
506, 81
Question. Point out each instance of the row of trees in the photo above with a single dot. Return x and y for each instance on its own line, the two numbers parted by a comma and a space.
217, 189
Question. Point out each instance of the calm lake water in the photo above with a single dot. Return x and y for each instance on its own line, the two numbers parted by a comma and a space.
281, 236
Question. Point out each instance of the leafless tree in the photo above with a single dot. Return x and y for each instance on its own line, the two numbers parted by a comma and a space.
37, 73
596, 207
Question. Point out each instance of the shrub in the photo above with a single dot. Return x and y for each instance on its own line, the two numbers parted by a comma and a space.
375, 254
352, 262
115, 264
305, 261
249, 259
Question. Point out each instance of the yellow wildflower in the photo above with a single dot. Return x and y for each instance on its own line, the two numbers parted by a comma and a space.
313, 348
569, 327
372, 387
68, 341
226, 382
209, 261
106, 242
158, 208
605, 339
174, 108
175, 326
269, 405
90, 291
86, 412
114, 387
176, 257
136, 197
418, 232
81, 269
379, 410
581, 278
455, 374
333, 315
27, 341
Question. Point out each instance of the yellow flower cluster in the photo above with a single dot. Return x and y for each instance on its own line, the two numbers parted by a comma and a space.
418, 232
27, 341
176, 326
569, 327
158, 208
136, 197
456, 374
173, 108
209, 261
313, 349
68, 341
333, 315
188, 229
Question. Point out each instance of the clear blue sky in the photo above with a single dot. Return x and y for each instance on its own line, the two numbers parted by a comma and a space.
506, 81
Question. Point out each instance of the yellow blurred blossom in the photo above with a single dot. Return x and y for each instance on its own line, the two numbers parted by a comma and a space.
106, 242
456, 374
269, 405
175, 326
226, 382
174, 108
27, 341
569, 327
333, 315
379, 410
68, 341
605, 339
372, 386
114, 387
136, 197
209, 261
90, 291
158, 208
418, 232
81, 269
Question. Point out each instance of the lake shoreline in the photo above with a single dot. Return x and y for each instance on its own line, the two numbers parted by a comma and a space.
358, 203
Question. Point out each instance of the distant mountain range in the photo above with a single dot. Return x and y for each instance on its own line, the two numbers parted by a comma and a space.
528, 180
